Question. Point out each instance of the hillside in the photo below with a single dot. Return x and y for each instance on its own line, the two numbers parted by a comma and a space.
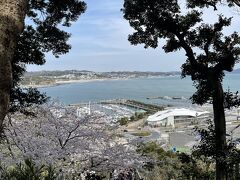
49, 78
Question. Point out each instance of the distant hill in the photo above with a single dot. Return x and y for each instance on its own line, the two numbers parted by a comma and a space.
50, 78
100, 74
55, 73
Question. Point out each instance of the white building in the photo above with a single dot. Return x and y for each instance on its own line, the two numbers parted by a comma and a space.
171, 117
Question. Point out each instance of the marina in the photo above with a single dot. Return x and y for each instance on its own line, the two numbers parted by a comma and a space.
122, 100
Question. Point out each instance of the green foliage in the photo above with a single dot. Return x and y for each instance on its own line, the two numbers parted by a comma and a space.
153, 20
154, 150
167, 164
50, 173
207, 145
141, 133
123, 121
207, 151
23, 99
231, 99
45, 36
164, 164
212, 3
138, 115
28, 171
93, 176
209, 53
132, 118
193, 167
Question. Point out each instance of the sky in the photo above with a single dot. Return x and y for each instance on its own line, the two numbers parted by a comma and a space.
100, 43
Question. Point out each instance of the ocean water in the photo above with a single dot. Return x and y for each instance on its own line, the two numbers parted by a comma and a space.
137, 89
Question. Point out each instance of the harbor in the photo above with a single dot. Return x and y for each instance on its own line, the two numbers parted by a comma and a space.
171, 127
125, 102
122, 101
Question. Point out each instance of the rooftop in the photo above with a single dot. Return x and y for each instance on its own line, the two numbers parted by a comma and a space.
175, 112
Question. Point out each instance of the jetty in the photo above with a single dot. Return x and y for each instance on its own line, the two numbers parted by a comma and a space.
128, 103
166, 97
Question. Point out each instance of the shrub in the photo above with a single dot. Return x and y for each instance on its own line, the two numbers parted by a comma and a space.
28, 170
123, 121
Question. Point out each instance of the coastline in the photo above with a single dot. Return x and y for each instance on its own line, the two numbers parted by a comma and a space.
61, 82
58, 83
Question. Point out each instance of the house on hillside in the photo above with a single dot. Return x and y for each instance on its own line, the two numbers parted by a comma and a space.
173, 117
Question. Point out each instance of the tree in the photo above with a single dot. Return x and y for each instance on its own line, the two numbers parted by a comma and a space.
123, 121
28, 170
205, 150
11, 26
164, 164
57, 136
22, 44
208, 52
212, 3
167, 164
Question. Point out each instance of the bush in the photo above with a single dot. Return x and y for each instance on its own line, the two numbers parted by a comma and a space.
123, 121
132, 118
28, 171
137, 116
140, 115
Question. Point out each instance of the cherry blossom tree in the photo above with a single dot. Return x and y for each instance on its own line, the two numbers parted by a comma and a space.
57, 136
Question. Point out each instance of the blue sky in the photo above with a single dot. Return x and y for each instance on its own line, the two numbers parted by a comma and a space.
99, 43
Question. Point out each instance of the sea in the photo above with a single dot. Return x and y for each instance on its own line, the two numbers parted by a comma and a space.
170, 90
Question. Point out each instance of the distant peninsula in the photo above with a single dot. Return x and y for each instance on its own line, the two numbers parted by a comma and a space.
53, 78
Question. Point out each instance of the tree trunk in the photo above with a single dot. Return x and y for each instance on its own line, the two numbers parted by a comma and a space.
12, 15
237, 171
220, 129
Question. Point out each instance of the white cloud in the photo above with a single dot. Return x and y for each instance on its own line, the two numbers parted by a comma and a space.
99, 42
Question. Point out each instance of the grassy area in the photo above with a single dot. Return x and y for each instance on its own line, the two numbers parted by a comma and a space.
184, 150
142, 133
